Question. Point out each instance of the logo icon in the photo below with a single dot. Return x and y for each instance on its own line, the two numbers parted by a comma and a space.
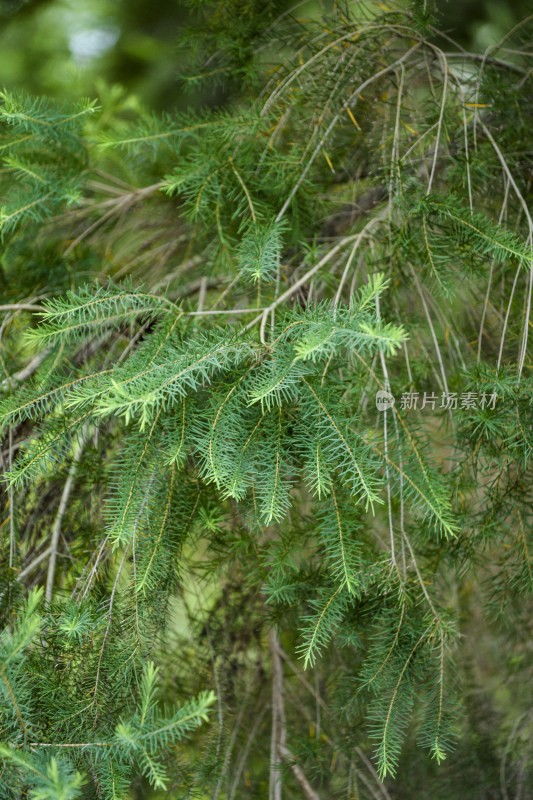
384, 400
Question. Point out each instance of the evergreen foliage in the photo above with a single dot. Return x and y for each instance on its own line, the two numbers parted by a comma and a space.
226, 572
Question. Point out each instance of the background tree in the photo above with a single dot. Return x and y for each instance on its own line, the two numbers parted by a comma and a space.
227, 573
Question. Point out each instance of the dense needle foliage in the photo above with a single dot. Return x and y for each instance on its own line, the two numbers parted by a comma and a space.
226, 571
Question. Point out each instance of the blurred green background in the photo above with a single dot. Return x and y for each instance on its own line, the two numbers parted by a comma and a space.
66, 48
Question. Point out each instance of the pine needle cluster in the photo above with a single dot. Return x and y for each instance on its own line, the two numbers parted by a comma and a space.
228, 571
